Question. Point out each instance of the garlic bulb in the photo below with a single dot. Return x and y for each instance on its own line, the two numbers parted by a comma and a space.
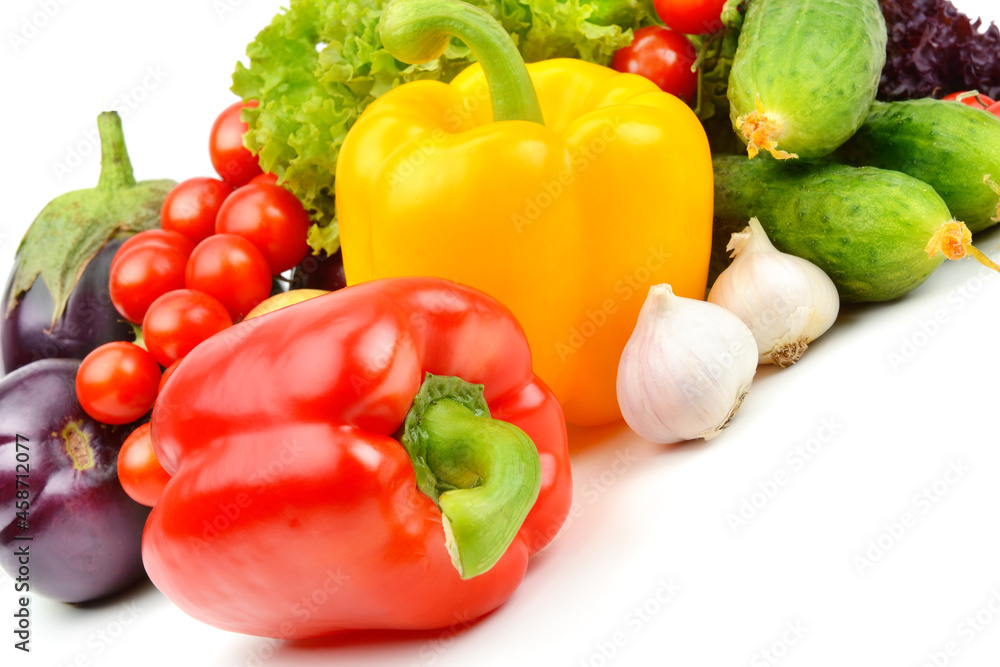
785, 300
685, 369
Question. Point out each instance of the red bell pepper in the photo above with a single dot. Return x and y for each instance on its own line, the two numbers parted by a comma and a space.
320, 484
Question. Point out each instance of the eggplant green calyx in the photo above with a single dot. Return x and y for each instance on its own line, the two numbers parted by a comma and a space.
419, 31
74, 226
483, 473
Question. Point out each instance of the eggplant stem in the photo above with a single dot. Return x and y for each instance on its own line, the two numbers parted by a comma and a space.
116, 167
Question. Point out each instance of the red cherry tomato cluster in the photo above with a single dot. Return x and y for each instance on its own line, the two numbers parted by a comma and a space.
663, 54
220, 243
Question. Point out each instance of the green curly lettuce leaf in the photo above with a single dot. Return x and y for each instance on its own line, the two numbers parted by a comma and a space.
319, 63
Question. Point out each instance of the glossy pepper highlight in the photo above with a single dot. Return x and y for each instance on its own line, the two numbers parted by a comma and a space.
309, 450
581, 189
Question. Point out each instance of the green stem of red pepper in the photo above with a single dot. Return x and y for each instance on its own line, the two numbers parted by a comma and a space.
483, 473
418, 31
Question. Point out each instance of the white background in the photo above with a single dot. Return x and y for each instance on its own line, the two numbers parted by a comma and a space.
649, 570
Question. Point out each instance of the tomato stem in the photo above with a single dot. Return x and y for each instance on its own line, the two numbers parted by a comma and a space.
137, 332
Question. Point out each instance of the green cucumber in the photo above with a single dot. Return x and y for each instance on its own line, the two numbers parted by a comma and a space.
951, 146
869, 229
805, 74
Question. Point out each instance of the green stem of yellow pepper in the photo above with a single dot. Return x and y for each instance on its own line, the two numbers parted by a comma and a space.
418, 31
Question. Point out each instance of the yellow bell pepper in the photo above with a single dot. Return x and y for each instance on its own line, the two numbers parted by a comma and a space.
566, 205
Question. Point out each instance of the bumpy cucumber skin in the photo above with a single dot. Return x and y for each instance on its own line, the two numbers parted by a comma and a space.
815, 64
948, 145
865, 227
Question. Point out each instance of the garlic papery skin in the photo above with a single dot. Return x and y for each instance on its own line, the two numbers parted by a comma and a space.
787, 301
685, 369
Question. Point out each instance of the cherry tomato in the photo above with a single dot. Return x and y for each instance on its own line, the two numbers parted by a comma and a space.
161, 238
691, 17
994, 109
973, 100
269, 179
190, 208
271, 218
179, 320
141, 275
664, 57
232, 160
139, 471
231, 269
117, 383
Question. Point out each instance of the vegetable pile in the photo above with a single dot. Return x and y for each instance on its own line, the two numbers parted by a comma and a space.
914, 165
545, 212
57, 462
321, 63
55, 302
208, 265
173, 263
425, 190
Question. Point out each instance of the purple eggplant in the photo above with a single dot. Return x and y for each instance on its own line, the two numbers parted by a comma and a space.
67, 529
320, 271
88, 321
56, 303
